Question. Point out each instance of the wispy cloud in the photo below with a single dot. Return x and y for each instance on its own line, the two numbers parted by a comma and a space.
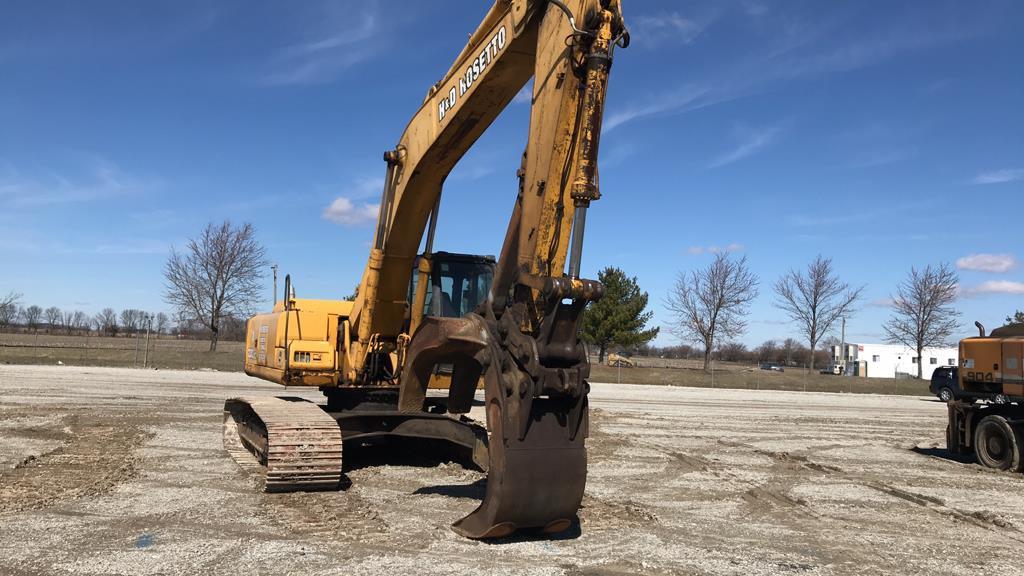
103, 180
996, 263
134, 246
30, 240
752, 141
771, 322
656, 29
322, 58
865, 336
787, 49
351, 209
755, 9
681, 99
883, 157
729, 248
616, 153
471, 172
365, 187
994, 287
829, 218
886, 302
1000, 176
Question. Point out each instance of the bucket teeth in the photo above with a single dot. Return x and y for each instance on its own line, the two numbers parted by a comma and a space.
288, 444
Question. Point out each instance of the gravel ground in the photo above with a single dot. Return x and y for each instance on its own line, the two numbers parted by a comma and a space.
120, 471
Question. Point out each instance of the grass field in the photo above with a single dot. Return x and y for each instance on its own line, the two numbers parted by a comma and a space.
169, 353
165, 352
747, 378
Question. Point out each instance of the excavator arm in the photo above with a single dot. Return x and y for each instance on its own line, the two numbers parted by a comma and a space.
522, 339
517, 40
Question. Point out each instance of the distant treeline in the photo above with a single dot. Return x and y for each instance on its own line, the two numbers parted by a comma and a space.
789, 352
15, 317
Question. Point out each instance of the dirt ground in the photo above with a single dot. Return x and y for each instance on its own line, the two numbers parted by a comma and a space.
120, 471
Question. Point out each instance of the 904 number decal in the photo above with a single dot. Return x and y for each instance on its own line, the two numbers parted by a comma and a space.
979, 376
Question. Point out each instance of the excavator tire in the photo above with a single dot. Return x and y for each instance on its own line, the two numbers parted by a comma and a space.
288, 444
997, 443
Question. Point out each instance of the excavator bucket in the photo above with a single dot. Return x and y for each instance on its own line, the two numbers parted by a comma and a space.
536, 481
537, 413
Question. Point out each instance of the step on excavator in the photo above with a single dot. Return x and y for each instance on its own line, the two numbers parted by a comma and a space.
423, 320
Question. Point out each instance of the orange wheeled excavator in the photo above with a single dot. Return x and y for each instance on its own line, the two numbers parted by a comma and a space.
433, 319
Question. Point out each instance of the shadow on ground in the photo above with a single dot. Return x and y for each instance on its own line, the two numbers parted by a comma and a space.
944, 454
395, 451
474, 491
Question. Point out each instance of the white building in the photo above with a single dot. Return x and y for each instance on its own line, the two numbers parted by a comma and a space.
890, 360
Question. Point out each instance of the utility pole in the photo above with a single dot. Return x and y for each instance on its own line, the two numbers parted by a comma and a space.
843, 344
274, 268
145, 361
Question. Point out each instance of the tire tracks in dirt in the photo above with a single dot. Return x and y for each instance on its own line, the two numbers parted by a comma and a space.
97, 455
983, 520
334, 514
769, 499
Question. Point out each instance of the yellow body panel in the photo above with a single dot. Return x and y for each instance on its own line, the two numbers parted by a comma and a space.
297, 347
992, 364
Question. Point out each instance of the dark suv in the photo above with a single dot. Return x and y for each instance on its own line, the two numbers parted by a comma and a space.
946, 384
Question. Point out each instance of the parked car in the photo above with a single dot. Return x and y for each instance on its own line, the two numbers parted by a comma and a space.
834, 369
946, 384
772, 366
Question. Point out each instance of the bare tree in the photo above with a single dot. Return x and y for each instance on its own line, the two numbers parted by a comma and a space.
922, 312
53, 316
132, 320
182, 323
218, 275
767, 351
815, 300
161, 322
9, 308
733, 352
710, 303
791, 351
828, 345
32, 315
106, 321
80, 321
67, 321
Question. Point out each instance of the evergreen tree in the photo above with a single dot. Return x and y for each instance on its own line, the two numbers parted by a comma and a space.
619, 318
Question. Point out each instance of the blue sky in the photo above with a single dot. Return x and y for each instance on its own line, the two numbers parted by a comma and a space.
882, 135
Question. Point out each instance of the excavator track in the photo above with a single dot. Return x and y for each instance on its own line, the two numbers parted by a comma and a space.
289, 444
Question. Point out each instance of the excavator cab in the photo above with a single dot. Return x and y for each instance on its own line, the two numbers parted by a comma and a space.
458, 284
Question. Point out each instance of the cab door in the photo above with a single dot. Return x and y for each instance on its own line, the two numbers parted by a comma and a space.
1013, 368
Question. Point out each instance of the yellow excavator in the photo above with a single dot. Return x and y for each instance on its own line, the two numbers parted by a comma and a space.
434, 319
